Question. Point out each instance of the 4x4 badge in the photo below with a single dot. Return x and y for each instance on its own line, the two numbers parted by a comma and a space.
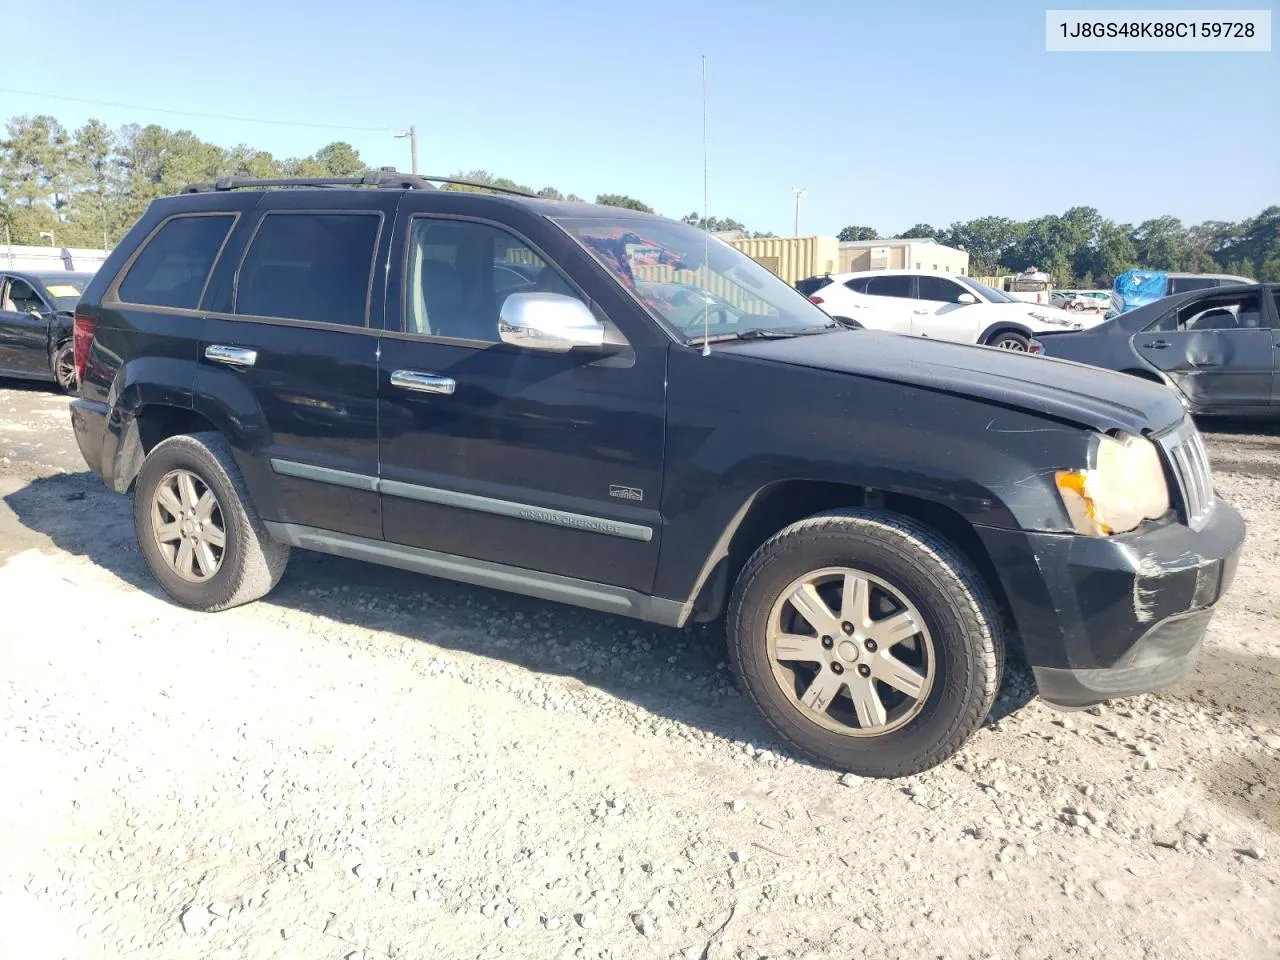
626, 493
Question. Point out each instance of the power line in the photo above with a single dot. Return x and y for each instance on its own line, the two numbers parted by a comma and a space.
189, 113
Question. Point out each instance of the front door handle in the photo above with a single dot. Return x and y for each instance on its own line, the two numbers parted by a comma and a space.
921, 311
1158, 344
231, 356
422, 382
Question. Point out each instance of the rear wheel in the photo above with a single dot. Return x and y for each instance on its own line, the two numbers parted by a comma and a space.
867, 642
1010, 340
64, 367
197, 528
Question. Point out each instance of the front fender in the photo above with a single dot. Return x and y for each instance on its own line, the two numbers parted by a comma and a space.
1001, 326
729, 438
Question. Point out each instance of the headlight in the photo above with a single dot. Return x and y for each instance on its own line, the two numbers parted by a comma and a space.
1125, 487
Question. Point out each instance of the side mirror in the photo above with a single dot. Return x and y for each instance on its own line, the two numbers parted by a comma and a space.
551, 322
965, 298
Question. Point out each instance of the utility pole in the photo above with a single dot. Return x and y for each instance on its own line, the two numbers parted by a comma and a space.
412, 134
799, 192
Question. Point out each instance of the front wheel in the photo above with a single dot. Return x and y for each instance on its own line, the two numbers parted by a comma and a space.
867, 642
1010, 340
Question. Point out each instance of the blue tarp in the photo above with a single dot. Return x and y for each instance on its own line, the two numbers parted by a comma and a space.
1136, 288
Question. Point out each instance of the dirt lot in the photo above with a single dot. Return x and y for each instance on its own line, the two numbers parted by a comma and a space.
373, 764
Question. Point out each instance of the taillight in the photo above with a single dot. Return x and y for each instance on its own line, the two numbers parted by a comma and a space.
817, 300
1035, 346
82, 331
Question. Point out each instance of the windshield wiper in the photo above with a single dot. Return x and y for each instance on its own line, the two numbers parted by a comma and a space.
752, 333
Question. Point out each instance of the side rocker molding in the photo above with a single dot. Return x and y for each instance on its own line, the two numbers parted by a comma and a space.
484, 573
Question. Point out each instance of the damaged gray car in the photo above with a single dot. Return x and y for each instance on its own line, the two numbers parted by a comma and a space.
1219, 348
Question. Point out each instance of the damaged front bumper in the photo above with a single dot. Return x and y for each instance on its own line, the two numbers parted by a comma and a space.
1111, 617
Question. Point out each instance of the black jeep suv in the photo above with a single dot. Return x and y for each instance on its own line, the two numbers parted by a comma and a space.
613, 410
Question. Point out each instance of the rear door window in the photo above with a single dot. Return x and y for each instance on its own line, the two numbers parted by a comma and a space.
174, 266
310, 266
890, 286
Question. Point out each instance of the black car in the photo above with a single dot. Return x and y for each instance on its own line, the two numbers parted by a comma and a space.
1219, 347
811, 285
875, 517
35, 324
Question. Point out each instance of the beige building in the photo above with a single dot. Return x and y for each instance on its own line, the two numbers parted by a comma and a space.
902, 255
792, 258
795, 258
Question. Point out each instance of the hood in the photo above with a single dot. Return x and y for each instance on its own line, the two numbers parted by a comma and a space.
1070, 392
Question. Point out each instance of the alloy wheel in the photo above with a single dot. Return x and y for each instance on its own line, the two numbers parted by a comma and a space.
850, 652
188, 525
65, 370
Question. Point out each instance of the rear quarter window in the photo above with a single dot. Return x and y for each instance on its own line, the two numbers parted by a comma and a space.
174, 265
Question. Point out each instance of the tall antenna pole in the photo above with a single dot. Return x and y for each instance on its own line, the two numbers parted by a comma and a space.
706, 218
799, 192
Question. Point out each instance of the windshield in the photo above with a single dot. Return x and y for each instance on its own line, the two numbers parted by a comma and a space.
662, 263
988, 293
65, 291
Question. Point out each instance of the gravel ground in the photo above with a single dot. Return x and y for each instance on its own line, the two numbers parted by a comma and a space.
373, 764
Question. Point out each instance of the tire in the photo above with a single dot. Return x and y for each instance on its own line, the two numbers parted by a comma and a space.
63, 365
246, 566
1010, 340
959, 651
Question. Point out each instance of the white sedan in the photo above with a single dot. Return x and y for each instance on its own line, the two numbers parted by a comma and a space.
943, 306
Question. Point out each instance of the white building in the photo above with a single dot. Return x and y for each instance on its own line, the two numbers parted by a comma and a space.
16, 257
902, 255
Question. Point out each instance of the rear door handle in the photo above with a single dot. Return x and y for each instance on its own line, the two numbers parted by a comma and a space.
231, 356
1158, 344
921, 311
422, 382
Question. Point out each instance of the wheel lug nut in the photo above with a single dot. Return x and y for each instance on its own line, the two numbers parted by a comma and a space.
847, 627
836, 668
864, 670
827, 643
871, 646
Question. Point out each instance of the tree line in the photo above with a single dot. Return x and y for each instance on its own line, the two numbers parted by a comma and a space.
1082, 248
86, 187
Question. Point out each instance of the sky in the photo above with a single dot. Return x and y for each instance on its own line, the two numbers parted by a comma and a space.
888, 114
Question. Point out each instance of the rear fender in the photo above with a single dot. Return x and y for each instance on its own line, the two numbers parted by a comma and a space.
163, 381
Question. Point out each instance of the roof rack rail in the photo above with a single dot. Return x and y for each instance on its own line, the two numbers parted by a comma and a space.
514, 191
373, 178
387, 178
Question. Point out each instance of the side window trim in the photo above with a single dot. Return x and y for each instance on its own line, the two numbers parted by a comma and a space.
112, 296
319, 212
400, 326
